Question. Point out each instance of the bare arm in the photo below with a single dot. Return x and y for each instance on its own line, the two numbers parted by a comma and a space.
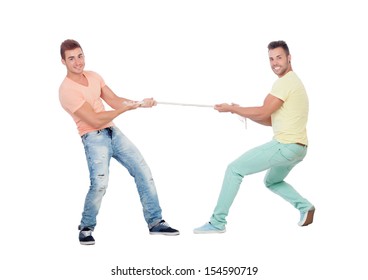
261, 114
97, 120
111, 98
119, 104
116, 102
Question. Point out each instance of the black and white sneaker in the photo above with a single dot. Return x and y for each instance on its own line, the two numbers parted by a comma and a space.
163, 228
85, 236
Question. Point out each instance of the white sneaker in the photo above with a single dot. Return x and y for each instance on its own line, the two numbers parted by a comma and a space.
208, 228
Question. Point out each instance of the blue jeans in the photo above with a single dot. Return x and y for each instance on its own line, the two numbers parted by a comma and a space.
279, 159
102, 145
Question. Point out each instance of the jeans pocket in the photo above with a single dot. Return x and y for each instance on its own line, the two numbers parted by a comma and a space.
90, 136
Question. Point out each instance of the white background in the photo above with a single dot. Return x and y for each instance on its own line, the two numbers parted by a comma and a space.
182, 51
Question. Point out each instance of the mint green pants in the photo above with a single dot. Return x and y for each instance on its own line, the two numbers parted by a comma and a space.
279, 159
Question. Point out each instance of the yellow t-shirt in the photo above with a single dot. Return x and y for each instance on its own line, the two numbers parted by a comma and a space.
290, 121
73, 95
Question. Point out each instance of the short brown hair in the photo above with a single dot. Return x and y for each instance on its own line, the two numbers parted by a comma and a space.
68, 45
278, 44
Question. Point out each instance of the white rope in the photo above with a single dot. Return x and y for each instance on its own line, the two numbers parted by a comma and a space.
185, 104
173, 103
244, 120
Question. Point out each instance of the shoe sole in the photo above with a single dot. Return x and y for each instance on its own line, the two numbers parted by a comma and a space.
87, 243
309, 218
209, 231
165, 233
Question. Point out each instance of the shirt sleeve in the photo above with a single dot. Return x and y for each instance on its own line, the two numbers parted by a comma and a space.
71, 100
278, 90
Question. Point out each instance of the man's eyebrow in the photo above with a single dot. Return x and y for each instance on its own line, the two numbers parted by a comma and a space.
69, 57
277, 56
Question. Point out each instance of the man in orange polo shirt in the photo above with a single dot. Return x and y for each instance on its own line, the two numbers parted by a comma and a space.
81, 94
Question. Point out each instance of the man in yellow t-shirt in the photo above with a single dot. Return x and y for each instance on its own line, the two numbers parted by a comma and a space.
286, 110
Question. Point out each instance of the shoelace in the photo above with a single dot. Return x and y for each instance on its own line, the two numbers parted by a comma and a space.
163, 223
87, 232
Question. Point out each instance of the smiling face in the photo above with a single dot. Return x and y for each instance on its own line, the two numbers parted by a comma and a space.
74, 61
279, 61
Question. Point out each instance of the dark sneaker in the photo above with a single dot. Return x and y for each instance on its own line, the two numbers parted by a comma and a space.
163, 228
85, 236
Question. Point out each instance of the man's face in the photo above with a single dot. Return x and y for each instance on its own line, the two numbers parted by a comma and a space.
74, 61
279, 61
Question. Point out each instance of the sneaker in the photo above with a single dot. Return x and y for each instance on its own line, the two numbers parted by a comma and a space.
306, 218
163, 228
85, 236
208, 228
